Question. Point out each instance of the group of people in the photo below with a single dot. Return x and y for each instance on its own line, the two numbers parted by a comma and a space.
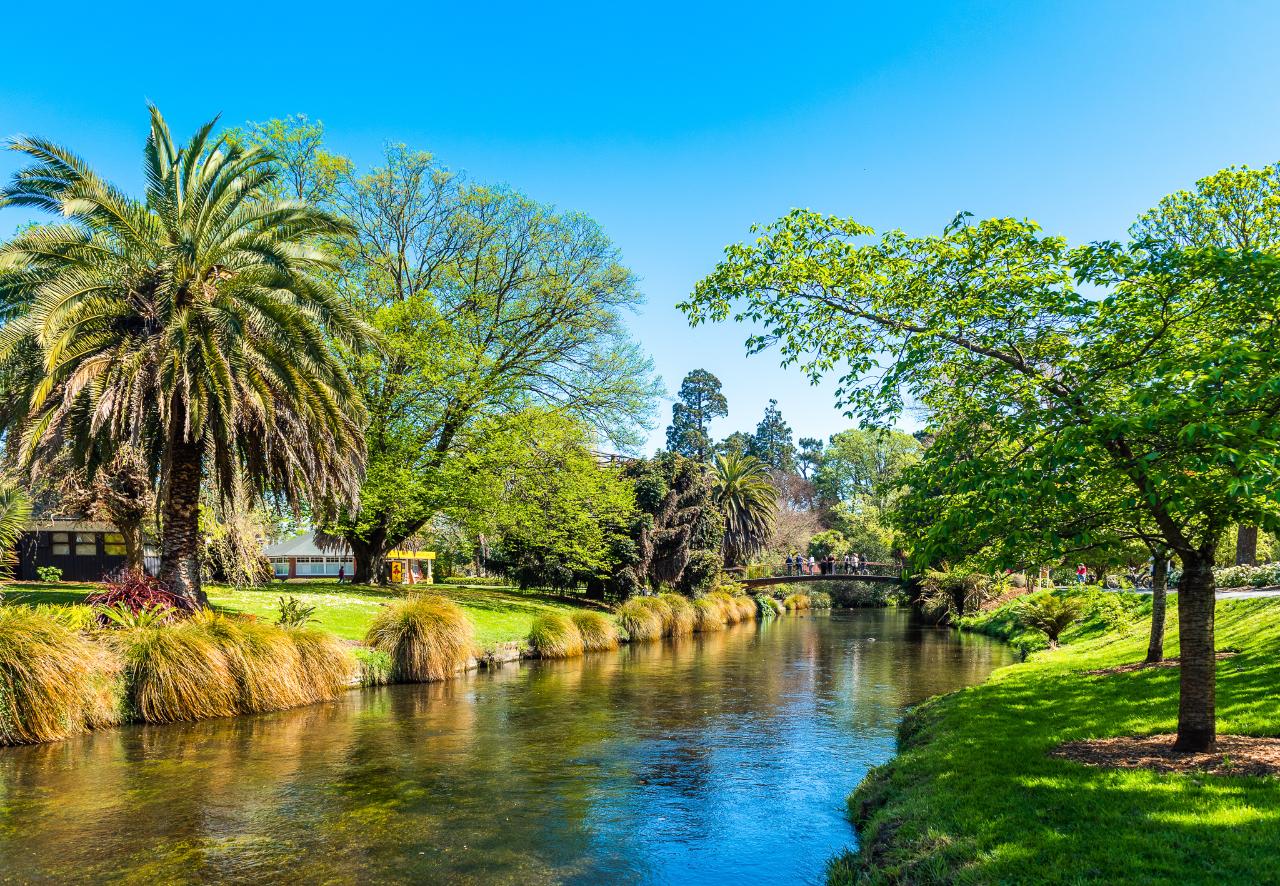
850, 564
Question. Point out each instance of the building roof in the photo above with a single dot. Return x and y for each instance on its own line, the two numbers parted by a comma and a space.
304, 545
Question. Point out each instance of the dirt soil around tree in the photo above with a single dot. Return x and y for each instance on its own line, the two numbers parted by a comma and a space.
1234, 755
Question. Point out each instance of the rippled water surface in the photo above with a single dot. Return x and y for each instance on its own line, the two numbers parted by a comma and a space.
718, 759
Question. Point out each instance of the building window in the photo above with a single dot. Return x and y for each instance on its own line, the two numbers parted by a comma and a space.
61, 544
86, 544
113, 544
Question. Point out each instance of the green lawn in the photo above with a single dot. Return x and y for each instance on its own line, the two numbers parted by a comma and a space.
973, 798
500, 615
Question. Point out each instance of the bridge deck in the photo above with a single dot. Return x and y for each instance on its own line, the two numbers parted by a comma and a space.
873, 572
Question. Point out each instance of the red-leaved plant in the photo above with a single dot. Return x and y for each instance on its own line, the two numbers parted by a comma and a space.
136, 591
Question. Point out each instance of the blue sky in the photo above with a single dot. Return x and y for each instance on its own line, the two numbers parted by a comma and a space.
679, 125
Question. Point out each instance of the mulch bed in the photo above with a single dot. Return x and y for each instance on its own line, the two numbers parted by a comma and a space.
1142, 665
1234, 755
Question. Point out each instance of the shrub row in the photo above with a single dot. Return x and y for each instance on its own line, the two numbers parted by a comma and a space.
59, 678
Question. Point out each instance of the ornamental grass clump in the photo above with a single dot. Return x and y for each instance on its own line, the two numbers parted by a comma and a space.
796, 602
54, 681
328, 664
176, 672
709, 615
428, 638
662, 609
599, 632
639, 620
262, 660
819, 600
556, 635
683, 618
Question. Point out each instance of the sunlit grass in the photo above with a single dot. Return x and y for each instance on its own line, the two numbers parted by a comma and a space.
640, 620
599, 631
973, 796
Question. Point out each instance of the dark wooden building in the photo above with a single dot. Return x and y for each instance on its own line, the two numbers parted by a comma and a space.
85, 550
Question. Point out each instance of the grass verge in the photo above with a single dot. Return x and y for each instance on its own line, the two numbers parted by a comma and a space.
974, 797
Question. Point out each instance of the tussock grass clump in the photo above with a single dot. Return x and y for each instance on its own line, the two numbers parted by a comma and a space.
796, 602
428, 638
556, 636
328, 664
640, 621
708, 615
683, 617
599, 632
747, 609
262, 660
663, 610
54, 680
177, 672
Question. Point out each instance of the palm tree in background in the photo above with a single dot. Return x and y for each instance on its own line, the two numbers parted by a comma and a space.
743, 490
196, 324
15, 510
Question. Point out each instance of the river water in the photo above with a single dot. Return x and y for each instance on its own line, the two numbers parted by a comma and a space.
723, 758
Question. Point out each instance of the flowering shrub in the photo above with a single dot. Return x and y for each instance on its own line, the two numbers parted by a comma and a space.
1247, 576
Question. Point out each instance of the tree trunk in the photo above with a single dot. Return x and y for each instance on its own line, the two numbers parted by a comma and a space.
370, 556
1197, 727
133, 549
180, 520
1246, 545
1159, 595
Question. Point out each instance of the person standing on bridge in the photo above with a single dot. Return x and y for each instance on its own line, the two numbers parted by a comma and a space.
789, 562
854, 558
813, 565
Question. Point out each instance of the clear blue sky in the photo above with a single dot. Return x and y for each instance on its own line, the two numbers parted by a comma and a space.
679, 125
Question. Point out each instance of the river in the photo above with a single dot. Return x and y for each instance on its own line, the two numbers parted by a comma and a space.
721, 758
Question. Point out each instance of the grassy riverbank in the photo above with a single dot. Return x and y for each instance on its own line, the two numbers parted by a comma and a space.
500, 615
973, 796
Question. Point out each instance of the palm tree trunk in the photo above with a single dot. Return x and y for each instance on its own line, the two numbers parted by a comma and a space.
180, 519
1197, 726
1159, 598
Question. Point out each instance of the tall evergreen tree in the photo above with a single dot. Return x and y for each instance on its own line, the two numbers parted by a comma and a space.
700, 402
772, 443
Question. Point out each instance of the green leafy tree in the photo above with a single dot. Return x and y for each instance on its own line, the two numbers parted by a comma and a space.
865, 465
1161, 378
561, 513
197, 324
486, 303
700, 401
748, 500
676, 535
737, 443
809, 458
772, 442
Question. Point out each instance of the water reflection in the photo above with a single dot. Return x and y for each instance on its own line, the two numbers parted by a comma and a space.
711, 759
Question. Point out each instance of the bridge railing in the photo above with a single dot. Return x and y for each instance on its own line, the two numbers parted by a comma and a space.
838, 568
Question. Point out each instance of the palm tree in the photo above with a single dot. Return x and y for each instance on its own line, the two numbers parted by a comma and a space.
743, 490
15, 510
196, 324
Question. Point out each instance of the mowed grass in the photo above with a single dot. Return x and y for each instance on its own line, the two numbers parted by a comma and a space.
500, 615
974, 798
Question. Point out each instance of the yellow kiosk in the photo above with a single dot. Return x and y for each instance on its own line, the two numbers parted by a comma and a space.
411, 567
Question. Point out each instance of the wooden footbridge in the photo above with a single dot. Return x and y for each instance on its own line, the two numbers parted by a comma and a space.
781, 574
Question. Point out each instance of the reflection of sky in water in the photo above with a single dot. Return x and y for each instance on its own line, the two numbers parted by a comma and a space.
724, 758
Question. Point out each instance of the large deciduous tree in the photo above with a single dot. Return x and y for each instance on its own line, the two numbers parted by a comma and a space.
700, 401
196, 323
1162, 377
865, 464
486, 303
